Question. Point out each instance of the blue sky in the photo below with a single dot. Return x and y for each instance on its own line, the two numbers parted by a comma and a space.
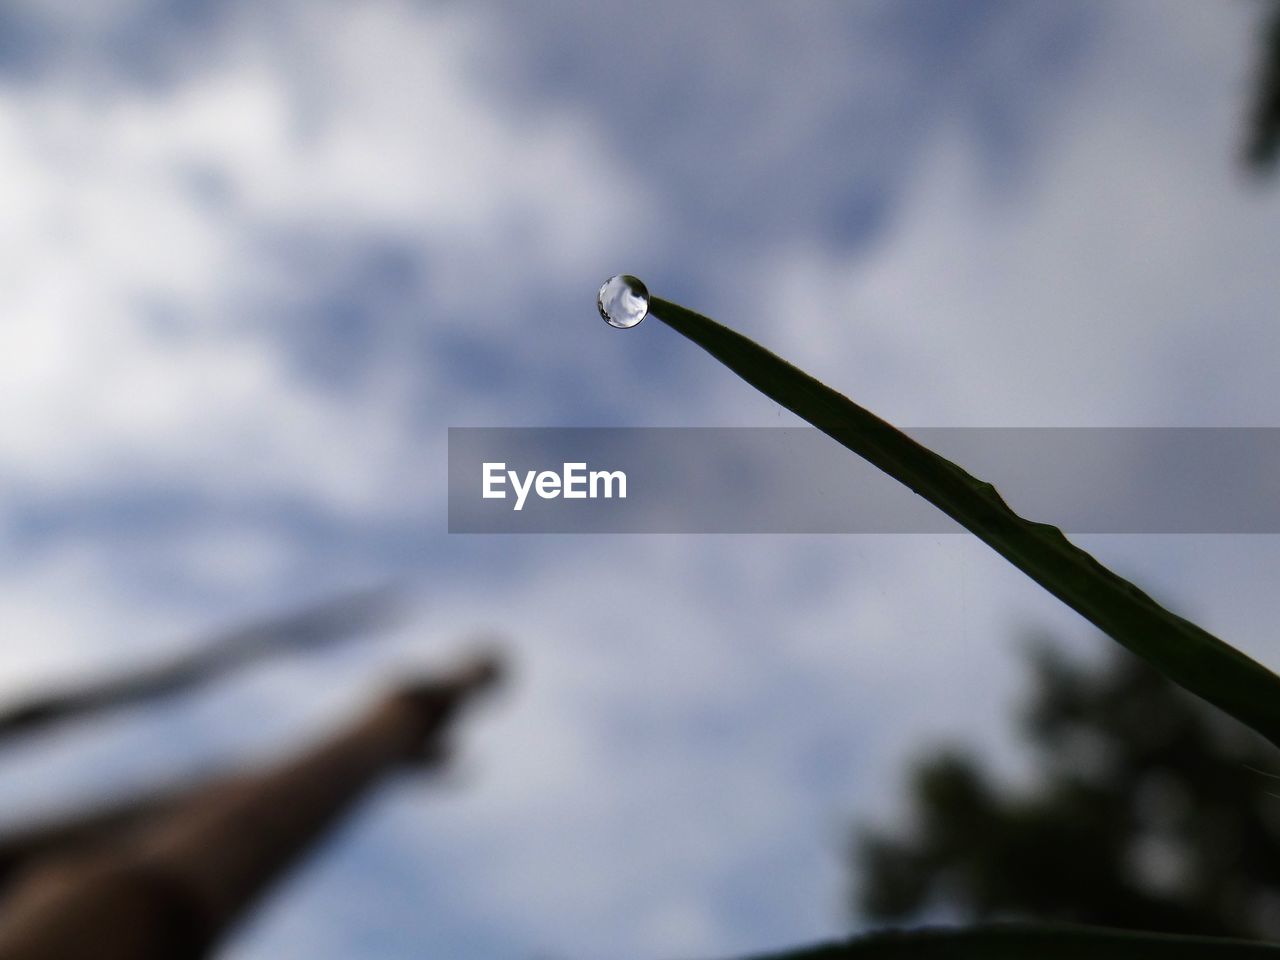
255, 259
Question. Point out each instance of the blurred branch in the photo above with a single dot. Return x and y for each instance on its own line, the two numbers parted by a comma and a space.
174, 887
308, 629
82, 830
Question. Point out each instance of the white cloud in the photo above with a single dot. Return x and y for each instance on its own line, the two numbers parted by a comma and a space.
364, 118
1123, 279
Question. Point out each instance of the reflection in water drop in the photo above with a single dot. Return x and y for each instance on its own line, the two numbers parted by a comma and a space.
623, 301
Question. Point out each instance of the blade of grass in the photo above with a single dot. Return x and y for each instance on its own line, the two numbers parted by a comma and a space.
1187, 654
1025, 941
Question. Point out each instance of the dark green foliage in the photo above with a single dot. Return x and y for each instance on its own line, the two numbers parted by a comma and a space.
1190, 656
1127, 763
1016, 942
1263, 145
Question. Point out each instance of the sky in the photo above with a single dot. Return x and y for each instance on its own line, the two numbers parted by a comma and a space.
257, 258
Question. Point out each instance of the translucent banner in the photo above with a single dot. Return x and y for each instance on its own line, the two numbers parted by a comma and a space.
797, 480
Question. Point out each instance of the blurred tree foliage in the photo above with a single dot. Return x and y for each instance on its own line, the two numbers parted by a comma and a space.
1262, 146
1152, 811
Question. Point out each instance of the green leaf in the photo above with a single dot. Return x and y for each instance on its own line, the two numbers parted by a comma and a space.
1029, 942
1187, 654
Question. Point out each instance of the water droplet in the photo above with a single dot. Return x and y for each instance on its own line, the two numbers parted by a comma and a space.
623, 301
